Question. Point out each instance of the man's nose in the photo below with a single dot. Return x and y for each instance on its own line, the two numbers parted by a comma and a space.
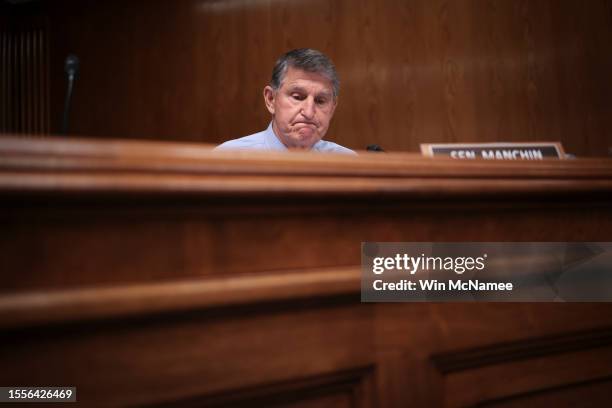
308, 108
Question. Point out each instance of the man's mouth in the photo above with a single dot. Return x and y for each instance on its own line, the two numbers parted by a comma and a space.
305, 130
305, 124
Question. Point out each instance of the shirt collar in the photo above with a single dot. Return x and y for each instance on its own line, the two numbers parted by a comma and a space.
273, 142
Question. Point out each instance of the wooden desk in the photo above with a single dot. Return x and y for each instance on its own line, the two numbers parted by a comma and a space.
162, 273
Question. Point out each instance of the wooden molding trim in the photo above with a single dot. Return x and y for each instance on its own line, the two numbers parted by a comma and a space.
227, 185
115, 166
357, 382
523, 349
81, 304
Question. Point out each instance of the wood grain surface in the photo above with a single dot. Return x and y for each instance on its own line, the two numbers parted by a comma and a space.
412, 72
166, 274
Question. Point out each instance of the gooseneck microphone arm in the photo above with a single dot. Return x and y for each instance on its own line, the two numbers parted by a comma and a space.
72, 71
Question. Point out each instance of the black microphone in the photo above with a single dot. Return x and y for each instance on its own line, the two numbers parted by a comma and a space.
374, 148
72, 70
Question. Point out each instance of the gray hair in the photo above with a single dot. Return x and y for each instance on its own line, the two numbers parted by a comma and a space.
308, 60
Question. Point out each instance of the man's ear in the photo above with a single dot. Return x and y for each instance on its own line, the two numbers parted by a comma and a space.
269, 96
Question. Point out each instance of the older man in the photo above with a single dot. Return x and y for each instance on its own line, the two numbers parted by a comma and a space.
302, 97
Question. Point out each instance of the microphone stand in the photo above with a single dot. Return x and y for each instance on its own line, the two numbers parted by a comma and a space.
72, 69
67, 103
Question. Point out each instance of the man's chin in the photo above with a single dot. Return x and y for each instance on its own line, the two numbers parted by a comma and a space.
306, 140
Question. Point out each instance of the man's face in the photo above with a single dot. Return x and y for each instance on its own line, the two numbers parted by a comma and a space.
301, 108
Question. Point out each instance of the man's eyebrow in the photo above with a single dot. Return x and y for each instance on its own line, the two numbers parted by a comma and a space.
296, 88
300, 89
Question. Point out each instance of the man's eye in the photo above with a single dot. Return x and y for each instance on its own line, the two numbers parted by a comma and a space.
321, 101
299, 97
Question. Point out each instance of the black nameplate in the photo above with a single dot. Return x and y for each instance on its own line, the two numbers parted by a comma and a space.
495, 151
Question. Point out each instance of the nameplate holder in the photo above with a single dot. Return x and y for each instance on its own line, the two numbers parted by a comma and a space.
495, 151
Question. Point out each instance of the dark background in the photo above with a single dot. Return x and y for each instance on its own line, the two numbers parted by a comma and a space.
418, 71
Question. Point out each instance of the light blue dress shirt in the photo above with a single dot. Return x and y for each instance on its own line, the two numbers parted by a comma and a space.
267, 140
